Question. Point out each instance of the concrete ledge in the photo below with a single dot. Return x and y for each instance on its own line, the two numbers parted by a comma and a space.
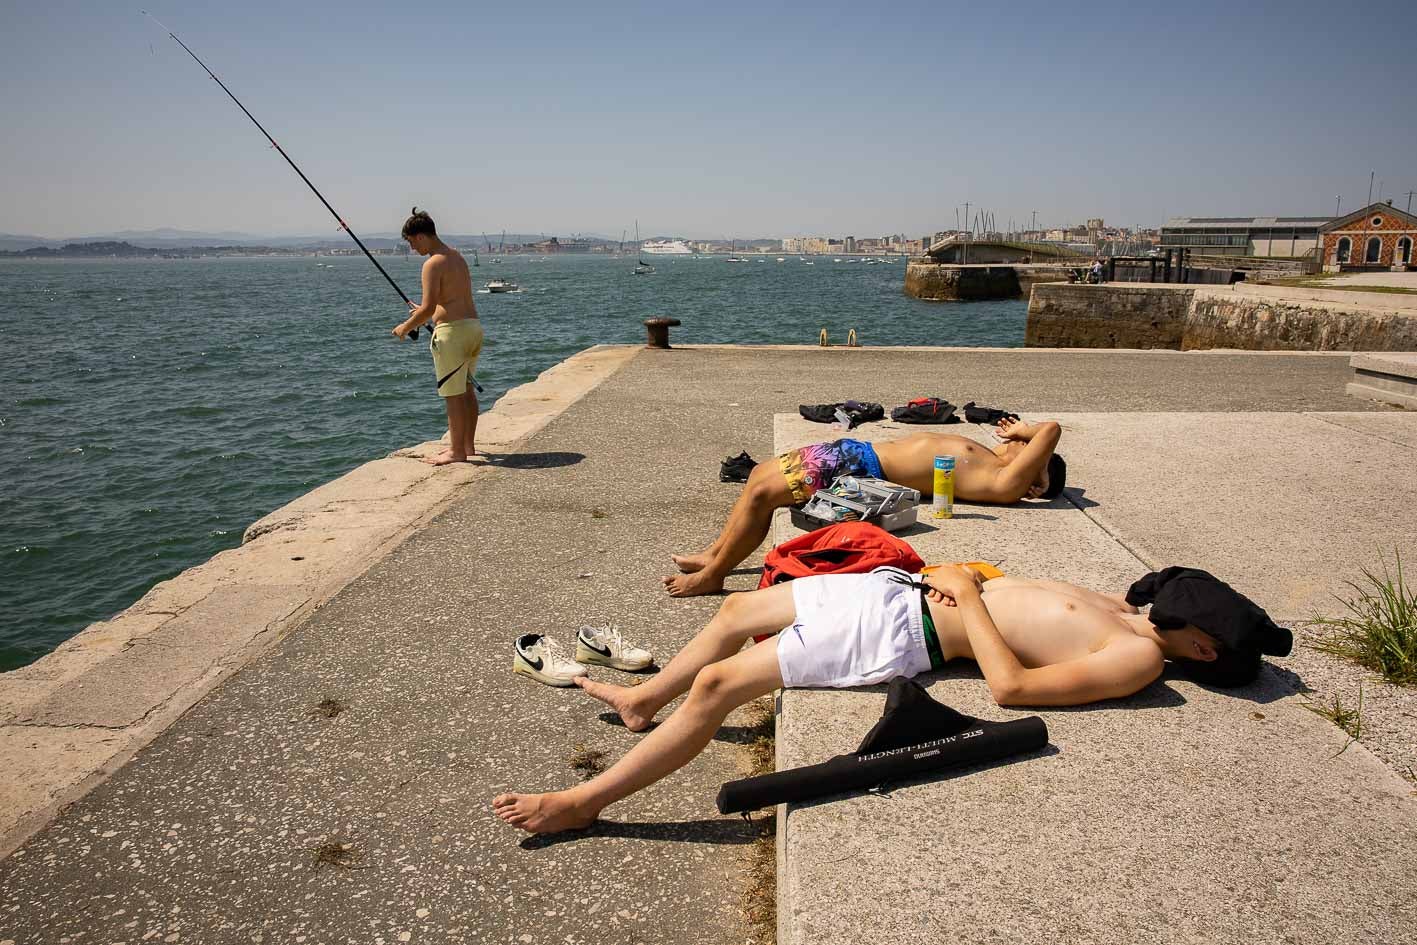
1180, 815
1389, 378
70, 719
954, 282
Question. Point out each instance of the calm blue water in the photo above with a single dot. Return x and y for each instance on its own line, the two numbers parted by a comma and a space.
151, 410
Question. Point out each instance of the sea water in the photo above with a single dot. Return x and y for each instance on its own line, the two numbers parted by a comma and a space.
151, 409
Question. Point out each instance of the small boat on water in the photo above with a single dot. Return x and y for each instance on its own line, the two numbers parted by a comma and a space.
642, 268
502, 285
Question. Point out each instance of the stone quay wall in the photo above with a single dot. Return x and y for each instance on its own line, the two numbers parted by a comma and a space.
1117, 315
952, 282
1257, 318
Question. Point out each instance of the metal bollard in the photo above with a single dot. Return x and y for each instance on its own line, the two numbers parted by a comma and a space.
657, 331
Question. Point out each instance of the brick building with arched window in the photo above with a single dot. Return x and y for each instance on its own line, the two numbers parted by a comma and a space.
1379, 236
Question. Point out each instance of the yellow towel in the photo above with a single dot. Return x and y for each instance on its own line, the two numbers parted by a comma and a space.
982, 568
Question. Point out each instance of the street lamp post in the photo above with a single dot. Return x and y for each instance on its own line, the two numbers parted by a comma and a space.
966, 239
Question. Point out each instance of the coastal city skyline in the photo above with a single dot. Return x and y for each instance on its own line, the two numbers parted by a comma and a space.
571, 122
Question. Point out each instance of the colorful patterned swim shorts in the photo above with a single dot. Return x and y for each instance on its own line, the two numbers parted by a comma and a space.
814, 467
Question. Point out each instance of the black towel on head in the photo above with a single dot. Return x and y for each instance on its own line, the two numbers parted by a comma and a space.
973, 414
1180, 596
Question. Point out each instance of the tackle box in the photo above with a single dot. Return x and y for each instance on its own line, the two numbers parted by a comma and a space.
859, 499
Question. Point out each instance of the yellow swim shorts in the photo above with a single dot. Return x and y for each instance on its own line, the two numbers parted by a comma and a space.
455, 347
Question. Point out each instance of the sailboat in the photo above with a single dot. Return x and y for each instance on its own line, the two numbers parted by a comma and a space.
644, 268
733, 251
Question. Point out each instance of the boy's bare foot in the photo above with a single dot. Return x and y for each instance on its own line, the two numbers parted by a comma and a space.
691, 564
445, 458
619, 698
542, 813
692, 585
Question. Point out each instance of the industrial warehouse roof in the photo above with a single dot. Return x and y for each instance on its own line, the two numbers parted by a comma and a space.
1179, 222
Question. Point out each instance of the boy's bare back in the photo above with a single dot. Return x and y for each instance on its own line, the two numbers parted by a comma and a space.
447, 280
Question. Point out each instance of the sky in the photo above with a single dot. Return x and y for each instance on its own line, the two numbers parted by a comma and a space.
705, 120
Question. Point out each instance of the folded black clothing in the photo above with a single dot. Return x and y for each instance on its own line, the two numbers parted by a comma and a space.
857, 412
926, 410
973, 414
736, 468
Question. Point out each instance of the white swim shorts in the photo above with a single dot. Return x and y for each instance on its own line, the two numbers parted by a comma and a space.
852, 630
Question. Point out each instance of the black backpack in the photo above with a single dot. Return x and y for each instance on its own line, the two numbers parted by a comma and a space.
926, 410
857, 412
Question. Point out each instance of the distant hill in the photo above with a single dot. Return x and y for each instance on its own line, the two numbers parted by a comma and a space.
14, 241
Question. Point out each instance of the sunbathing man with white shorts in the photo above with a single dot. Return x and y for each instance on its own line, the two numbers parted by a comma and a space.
1038, 643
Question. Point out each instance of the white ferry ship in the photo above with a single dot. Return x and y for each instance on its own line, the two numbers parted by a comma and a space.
666, 248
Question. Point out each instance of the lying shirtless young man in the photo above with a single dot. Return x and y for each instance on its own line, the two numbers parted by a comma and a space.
1038, 643
1025, 466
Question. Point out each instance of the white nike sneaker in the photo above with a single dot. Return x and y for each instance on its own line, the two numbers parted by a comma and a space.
605, 646
541, 658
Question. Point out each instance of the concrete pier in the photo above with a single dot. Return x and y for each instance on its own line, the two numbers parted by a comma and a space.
176, 780
951, 282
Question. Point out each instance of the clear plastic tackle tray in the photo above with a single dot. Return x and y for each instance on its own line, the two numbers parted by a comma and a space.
859, 499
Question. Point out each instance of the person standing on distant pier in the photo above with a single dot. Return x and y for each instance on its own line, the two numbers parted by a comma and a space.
457, 332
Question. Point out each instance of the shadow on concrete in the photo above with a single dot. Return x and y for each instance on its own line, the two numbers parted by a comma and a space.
613, 718
553, 460
1287, 677
1077, 497
1269, 687
738, 734
729, 734
1154, 696
733, 831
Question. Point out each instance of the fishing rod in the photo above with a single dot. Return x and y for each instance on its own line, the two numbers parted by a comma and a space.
340, 220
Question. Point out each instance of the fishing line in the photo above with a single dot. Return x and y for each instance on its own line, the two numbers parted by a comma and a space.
340, 220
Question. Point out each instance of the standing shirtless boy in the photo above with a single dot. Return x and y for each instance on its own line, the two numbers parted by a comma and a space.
1025, 466
457, 332
1038, 643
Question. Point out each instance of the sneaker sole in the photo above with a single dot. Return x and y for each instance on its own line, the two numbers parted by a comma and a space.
585, 654
522, 668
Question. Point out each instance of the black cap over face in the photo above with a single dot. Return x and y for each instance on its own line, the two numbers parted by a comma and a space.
1182, 596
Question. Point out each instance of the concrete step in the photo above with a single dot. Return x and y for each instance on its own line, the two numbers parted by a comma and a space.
1387, 377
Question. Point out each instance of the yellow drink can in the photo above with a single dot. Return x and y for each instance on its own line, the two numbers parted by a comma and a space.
943, 504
